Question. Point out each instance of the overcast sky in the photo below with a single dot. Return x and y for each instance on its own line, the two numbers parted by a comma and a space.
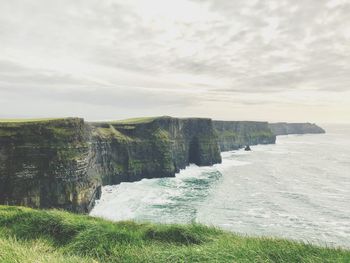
239, 60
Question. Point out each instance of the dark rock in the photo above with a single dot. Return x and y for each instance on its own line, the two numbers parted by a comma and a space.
63, 163
247, 148
130, 151
234, 135
45, 164
283, 128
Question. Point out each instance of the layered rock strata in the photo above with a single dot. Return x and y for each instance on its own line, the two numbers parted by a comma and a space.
283, 128
233, 135
160, 147
45, 164
63, 163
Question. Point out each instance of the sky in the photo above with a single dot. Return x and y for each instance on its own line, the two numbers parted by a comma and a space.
272, 60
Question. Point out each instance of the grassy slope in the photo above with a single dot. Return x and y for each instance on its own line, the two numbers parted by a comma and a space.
136, 120
29, 120
28, 235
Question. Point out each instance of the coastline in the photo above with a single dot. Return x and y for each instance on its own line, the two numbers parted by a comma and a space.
199, 194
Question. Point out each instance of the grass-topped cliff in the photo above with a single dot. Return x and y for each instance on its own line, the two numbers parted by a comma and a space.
43, 163
62, 163
236, 134
283, 128
28, 235
153, 147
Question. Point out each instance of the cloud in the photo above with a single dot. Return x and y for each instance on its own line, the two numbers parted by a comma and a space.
174, 54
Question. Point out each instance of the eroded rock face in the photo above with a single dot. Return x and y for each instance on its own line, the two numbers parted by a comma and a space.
45, 164
158, 148
237, 134
63, 163
283, 128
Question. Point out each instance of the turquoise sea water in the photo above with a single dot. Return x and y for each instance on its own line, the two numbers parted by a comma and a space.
297, 189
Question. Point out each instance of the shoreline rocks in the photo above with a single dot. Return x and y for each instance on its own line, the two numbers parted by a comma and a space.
247, 148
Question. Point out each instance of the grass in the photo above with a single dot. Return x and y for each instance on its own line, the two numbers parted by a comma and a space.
30, 120
111, 132
137, 120
28, 235
13, 250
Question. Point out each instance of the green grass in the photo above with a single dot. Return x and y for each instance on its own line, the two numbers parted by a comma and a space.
30, 120
137, 120
13, 250
111, 132
28, 235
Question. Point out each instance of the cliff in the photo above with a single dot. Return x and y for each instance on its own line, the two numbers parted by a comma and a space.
152, 147
45, 164
233, 135
62, 163
283, 128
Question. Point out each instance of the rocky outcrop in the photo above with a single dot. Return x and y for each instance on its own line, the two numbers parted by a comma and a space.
160, 147
45, 164
62, 163
283, 128
233, 135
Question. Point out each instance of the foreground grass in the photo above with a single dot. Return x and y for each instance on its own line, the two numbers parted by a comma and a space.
28, 235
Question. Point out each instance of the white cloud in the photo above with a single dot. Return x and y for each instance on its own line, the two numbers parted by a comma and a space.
202, 57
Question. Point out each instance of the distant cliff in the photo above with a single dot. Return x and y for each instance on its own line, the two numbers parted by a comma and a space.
62, 163
233, 135
152, 147
283, 128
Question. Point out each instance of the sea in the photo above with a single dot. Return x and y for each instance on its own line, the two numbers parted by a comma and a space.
298, 188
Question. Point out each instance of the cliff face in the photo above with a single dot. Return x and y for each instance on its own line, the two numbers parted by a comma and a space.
63, 163
156, 148
283, 128
45, 164
236, 134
